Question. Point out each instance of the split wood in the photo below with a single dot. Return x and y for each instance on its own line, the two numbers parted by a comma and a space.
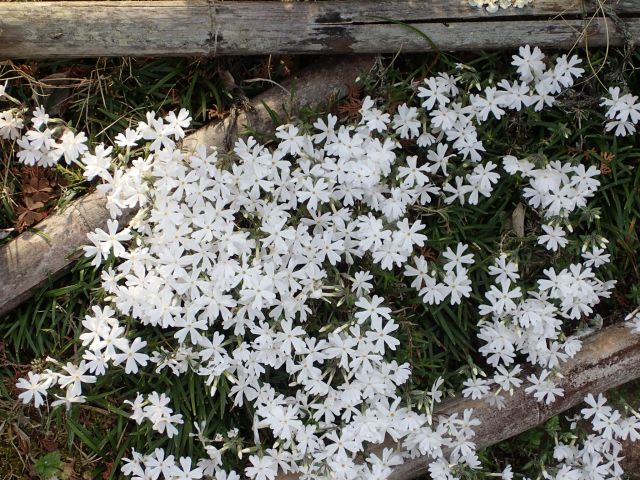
210, 27
32, 259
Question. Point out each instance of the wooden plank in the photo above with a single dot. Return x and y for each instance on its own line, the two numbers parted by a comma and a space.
210, 28
31, 259
447, 37
608, 359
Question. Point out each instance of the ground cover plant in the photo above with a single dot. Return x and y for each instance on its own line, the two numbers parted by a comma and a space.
445, 226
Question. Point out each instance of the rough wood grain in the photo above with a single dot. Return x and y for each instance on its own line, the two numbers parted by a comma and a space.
315, 85
608, 359
210, 28
31, 259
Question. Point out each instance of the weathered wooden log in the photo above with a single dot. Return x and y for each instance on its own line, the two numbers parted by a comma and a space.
32, 258
608, 359
210, 27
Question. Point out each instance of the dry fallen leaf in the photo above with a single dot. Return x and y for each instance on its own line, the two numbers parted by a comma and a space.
517, 220
27, 218
38, 187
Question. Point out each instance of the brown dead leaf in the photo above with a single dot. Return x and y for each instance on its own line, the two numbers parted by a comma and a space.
38, 187
68, 470
36, 184
48, 443
32, 203
27, 218
428, 253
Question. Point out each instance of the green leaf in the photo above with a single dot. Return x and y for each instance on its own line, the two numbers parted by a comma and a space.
48, 465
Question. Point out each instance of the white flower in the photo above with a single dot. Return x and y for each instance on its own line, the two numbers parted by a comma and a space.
553, 239
231, 259
313, 193
68, 400
543, 388
76, 376
129, 138
502, 299
507, 379
291, 142
326, 129
490, 103
380, 335
634, 323
567, 69
433, 92
36, 388
598, 407
596, 257
40, 118
262, 468
457, 259
184, 470
131, 355
439, 158
458, 285
179, 122
507, 473
105, 242
159, 464
406, 122
475, 388
97, 164
412, 174
360, 285
529, 63
371, 309
503, 270
11, 123
72, 146
608, 425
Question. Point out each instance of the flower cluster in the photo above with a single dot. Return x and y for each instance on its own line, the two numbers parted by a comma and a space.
558, 188
70, 378
231, 258
47, 141
599, 455
493, 6
154, 408
623, 112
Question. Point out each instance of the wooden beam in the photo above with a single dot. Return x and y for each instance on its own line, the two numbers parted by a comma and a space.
31, 259
608, 359
210, 27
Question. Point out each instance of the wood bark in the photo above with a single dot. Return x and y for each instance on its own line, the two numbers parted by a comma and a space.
31, 259
211, 27
608, 359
